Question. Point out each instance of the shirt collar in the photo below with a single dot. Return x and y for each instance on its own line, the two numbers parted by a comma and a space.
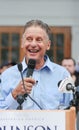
48, 64
24, 65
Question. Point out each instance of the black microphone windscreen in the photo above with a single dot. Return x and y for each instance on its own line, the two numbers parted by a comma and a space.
20, 67
30, 68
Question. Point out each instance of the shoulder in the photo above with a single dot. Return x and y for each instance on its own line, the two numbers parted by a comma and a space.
59, 70
58, 67
10, 71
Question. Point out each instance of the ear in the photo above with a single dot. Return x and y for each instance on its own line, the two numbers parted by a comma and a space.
22, 43
48, 45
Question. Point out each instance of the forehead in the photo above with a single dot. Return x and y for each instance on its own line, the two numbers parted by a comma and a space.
35, 30
67, 62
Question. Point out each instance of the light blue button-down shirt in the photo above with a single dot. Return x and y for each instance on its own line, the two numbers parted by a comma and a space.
45, 92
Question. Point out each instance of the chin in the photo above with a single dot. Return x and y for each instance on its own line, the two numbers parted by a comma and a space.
32, 58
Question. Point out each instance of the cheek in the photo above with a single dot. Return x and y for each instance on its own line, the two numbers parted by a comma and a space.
44, 49
22, 45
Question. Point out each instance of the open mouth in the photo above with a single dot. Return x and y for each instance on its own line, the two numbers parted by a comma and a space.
33, 51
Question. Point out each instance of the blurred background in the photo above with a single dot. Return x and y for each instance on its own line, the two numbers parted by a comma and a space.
61, 15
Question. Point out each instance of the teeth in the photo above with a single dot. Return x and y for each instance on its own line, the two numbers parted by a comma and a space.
33, 50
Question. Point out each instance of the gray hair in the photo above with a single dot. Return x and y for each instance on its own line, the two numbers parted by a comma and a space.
38, 23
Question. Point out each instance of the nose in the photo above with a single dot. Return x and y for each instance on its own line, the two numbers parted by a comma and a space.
33, 43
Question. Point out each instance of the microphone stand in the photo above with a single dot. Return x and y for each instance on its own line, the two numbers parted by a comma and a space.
20, 100
73, 102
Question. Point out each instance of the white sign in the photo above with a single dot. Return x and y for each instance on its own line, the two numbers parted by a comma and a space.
32, 120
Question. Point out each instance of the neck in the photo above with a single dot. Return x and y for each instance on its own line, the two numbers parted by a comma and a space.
39, 64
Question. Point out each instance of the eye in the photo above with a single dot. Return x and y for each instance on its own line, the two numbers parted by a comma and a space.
29, 39
39, 39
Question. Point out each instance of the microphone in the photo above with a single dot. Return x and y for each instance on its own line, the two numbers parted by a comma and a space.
66, 85
0, 80
20, 68
30, 67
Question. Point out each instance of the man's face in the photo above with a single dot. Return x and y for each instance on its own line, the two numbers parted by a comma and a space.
69, 65
35, 43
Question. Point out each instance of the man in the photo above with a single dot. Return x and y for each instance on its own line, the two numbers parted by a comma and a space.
6, 65
69, 64
3, 67
42, 88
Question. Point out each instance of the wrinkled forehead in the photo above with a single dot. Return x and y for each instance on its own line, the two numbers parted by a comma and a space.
35, 31
35, 26
38, 23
